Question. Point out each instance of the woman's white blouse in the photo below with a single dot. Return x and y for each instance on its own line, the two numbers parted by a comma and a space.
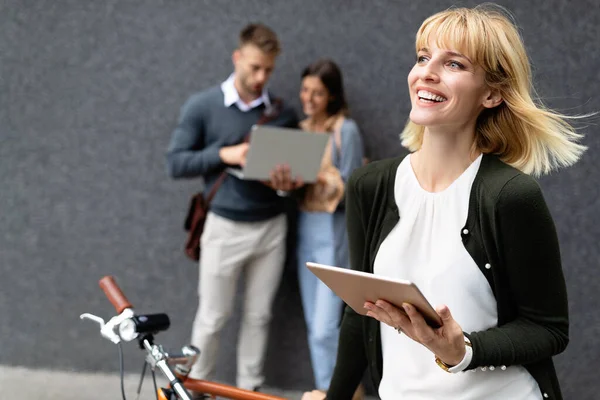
425, 247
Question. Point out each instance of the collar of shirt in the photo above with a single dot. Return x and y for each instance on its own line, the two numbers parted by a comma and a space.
232, 96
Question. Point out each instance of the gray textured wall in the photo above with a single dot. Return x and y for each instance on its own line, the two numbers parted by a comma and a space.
90, 92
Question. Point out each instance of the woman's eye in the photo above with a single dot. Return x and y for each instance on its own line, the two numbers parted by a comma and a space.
421, 59
456, 64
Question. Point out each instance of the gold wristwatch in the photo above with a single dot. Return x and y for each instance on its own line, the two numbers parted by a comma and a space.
445, 366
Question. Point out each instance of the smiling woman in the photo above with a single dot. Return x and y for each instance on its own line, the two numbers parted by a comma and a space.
446, 87
463, 219
487, 47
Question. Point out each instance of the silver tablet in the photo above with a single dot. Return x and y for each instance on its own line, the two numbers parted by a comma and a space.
270, 145
355, 288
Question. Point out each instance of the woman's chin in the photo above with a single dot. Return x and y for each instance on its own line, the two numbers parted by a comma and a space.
312, 112
418, 119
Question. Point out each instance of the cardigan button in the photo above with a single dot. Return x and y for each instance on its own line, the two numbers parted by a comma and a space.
488, 266
492, 368
484, 368
465, 231
545, 395
503, 368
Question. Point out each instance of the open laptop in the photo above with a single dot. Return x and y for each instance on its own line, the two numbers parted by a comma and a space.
270, 146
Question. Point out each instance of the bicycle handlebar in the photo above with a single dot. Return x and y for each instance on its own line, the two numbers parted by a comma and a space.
114, 294
156, 356
160, 359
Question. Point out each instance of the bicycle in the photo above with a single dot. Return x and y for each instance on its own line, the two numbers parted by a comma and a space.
127, 326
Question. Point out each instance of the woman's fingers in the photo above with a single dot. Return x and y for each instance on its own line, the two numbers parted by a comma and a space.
376, 312
379, 314
422, 331
391, 315
444, 313
447, 342
390, 309
407, 319
397, 315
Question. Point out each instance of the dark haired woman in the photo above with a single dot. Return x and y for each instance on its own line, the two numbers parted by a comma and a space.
322, 234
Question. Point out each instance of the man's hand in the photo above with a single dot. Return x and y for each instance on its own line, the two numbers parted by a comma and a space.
234, 155
281, 179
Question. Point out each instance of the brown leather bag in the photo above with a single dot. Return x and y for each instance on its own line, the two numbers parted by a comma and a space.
196, 217
199, 206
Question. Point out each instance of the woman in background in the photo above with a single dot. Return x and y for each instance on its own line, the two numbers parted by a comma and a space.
322, 234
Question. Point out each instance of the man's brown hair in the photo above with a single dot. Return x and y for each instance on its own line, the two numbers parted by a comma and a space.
261, 36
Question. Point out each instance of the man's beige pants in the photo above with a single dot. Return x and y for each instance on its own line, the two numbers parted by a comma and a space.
227, 248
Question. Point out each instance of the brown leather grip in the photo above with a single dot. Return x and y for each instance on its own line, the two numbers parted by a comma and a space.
114, 294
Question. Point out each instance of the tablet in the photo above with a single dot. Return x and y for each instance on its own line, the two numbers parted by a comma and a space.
355, 288
271, 145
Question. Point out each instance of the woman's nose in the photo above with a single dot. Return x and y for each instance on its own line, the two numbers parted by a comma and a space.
429, 72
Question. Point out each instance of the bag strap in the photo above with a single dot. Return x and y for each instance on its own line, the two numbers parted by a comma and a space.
269, 114
337, 134
217, 184
327, 160
335, 140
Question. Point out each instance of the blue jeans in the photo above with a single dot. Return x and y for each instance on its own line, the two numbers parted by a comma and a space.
322, 308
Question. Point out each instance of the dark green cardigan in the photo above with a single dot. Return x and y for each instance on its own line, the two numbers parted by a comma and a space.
508, 227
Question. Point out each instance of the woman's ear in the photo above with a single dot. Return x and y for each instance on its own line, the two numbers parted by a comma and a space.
494, 99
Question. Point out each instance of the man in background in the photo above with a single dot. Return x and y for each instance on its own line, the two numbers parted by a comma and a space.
246, 226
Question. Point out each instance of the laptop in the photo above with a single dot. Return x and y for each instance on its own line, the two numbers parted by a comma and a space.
271, 145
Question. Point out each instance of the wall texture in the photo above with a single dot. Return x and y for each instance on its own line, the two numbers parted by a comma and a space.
89, 93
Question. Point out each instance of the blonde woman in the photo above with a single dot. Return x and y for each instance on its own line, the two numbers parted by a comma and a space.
463, 218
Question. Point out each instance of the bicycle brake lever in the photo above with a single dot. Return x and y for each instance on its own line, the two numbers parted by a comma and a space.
106, 330
93, 317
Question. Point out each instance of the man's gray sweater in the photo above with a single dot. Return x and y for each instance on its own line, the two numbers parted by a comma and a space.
205, 125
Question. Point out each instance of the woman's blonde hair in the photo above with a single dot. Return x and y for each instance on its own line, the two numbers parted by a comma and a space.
522, 132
